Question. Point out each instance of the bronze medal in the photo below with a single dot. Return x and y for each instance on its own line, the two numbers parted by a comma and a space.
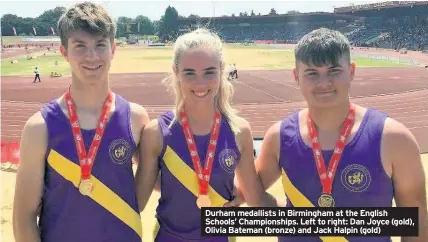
203, 201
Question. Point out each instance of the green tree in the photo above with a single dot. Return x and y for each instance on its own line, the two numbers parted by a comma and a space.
168, 25
146, 26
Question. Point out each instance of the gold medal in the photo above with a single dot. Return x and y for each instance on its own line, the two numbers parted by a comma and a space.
326, 201
203, 201
85, 187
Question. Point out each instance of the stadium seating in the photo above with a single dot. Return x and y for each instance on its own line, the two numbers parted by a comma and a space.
396, 26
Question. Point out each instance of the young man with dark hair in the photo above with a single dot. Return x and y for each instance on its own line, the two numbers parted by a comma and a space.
75, 170
336, 153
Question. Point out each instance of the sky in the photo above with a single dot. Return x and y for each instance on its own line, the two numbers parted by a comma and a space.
155, 9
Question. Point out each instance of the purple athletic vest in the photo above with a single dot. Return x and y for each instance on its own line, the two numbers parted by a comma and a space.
177, 213
68, 216
360, 179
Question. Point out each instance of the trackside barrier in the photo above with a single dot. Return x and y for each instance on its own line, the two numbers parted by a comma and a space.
10, 153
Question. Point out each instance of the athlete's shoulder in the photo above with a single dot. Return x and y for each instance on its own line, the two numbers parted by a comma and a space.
35, 127
396, 133
152, 133
273, 133
243, 124
398, 143
244, 136
36, 120
138, 113
400, 150
139, 118
152, 126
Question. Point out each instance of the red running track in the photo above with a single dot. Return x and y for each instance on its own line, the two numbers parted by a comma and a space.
263, 97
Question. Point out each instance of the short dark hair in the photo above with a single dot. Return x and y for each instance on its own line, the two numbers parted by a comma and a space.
322, 47
89, 17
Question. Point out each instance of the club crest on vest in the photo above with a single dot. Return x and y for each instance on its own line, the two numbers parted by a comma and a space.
120, 151
356, 178
228, 160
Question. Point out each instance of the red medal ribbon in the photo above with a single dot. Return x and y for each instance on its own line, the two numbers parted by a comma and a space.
87, 159
327, 177
203, 174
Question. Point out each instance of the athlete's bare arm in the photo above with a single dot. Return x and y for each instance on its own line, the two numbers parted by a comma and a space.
158, 183
245, 172
140, 119
400, 150
148, 170
29, 180
267, 165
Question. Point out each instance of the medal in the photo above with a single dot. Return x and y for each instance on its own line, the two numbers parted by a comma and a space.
203, 175
87, 159
203, 201
85, 187
327, 176
326, 201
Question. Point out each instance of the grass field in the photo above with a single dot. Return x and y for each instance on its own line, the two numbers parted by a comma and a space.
17, 39
150, 59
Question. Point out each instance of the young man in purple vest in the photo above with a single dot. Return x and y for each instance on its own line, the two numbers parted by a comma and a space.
335, 153
75, 170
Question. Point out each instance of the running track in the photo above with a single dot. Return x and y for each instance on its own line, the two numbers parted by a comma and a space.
262, 97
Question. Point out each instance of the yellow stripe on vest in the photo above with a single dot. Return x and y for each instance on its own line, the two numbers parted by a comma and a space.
188, 178
100, 194
299, 200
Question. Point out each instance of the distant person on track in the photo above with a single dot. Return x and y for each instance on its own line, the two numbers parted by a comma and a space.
229, 71
36, 74
336, 153
55, 70
75, 171
233, 72
202, 124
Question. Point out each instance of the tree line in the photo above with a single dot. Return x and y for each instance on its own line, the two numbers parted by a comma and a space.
46, 24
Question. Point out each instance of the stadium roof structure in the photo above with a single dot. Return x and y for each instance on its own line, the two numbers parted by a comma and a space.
257, 19
378, 6
390, 9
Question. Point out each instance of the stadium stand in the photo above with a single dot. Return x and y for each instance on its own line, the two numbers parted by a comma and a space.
394, 24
